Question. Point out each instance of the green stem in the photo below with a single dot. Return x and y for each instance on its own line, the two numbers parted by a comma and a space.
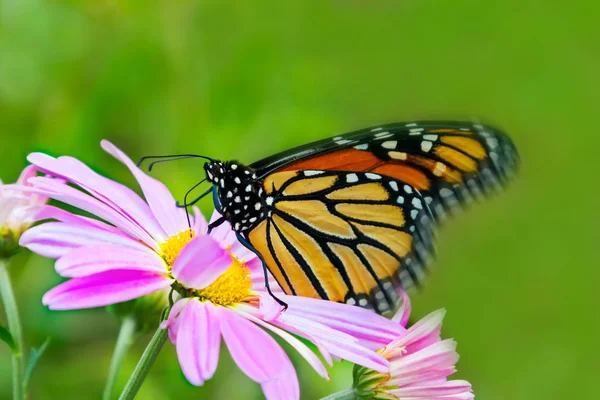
347, 394
143, 367
124, 342
14, 325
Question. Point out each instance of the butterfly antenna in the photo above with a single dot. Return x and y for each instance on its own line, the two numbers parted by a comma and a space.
186, 204
171, 157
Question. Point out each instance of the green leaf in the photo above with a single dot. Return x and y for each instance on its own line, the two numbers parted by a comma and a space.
7, 338
34, 357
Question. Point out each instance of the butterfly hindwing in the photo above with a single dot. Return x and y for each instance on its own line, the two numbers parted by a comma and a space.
344, 236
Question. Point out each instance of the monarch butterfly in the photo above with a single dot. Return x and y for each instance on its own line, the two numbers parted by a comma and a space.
351, 218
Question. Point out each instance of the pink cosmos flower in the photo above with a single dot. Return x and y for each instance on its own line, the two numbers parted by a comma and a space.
420, 362
143, 246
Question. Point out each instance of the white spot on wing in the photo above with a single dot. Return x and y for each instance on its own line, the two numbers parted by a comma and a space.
351, 178
411, 124
363, 146
396, 155
426, 146
394, 186
408, 189
433, 138
383, 135
390, 144
445, 192
417, 203
414, 213
372, 176
312, 173
269, 201
376, 129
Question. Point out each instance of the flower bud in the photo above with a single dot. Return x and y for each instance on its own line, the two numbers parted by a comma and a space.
16, 213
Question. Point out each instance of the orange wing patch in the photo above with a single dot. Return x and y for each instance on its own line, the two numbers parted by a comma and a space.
306, 186
342, 160
382, 263
258, 238
468, 145
316, 214
398, 242
440, 169
327, 275
383, 213
366, 191
275, 181
360, 278
456, 158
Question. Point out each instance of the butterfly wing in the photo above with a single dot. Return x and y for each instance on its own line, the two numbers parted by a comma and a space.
344, 236
450, 163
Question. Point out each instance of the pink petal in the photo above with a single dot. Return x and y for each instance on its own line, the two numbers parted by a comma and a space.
162, 203
45, 212
117, 196
173, 322
335, 342
103, 289
253, 350
421, 335
200, 224
358, 322
257, 275
28, 172
403, 314
284, 387
225, 235
198, 341
91, 260
269, 308
200, 262
441, 390
68, 195
55, 239
440, 355
248, 313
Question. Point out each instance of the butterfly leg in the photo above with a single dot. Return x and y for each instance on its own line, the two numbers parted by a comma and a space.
243, 241
215, 223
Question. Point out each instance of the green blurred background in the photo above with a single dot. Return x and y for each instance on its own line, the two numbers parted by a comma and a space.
518, 274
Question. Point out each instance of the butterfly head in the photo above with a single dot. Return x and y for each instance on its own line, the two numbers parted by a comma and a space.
239, 192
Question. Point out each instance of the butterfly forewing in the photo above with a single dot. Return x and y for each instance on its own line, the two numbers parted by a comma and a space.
343, 235
450, 163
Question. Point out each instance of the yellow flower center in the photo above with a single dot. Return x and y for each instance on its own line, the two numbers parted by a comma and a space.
170, 249
232, 287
